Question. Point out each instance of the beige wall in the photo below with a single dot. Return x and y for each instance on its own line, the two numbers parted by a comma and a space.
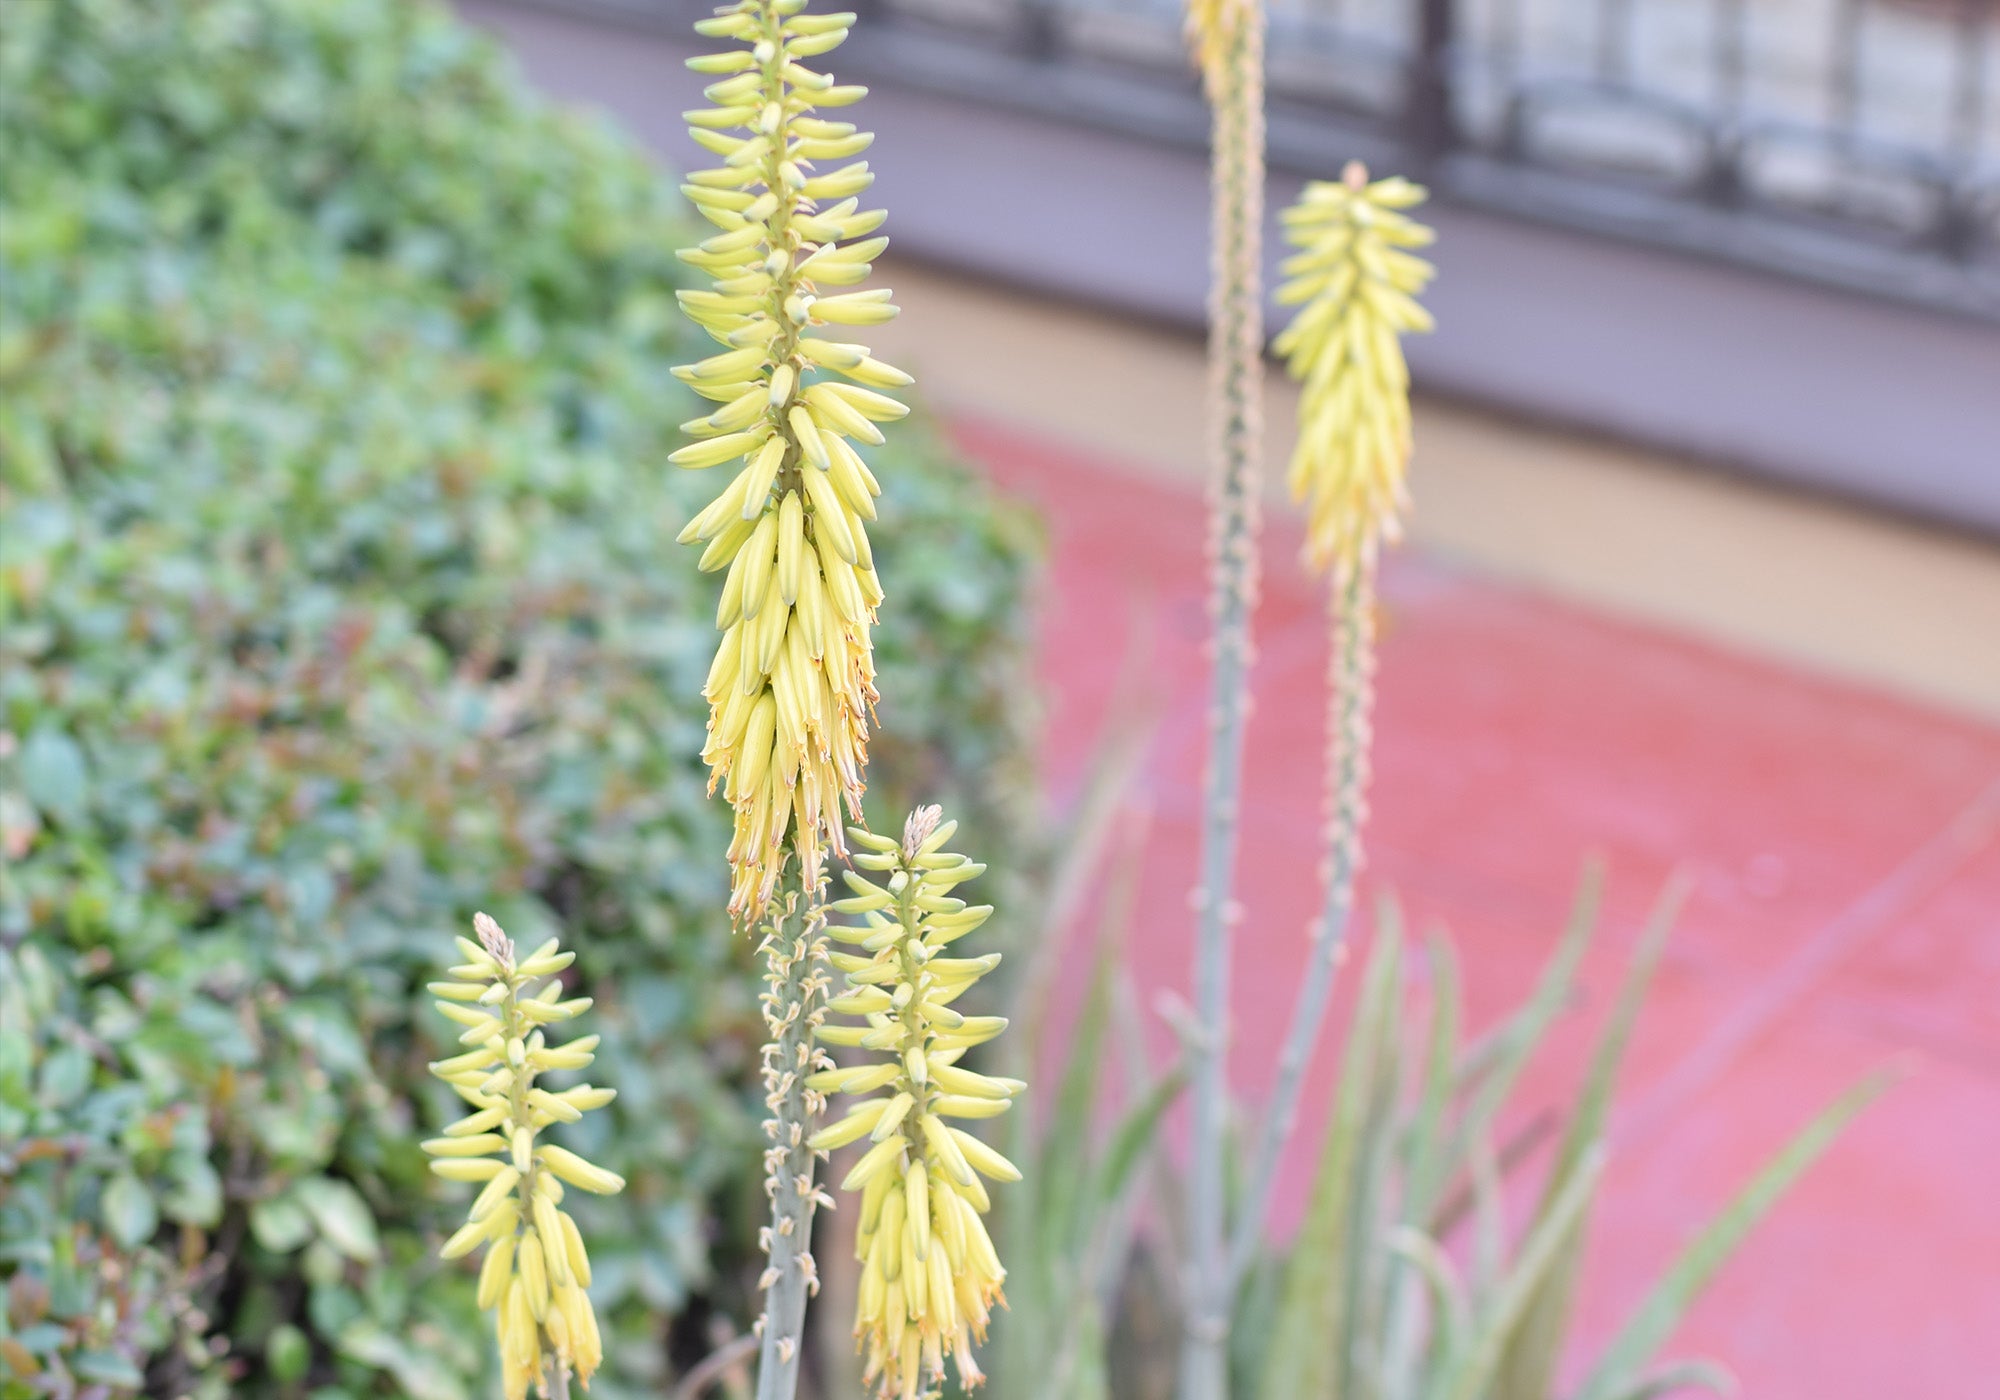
1865, 597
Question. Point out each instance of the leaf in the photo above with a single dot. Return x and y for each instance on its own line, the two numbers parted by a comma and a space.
1135, 1134
65, 1075
418, 1376
1312, 1304
287, 1353
1686, 1375
130, 1213
1451, 1311
1529, 1368
1424, 1175
1494, 1064
55, 775
1066, 1141
20, 1361
196, 1195
1473, 1369
280, 1224
1656, 1317
1369, 1260
343, 1218
1425, 1168
107, 1368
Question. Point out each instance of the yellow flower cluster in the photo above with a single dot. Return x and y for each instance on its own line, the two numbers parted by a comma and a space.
535, 1271
1213, 27
792, 687
930, 1274
1358, 288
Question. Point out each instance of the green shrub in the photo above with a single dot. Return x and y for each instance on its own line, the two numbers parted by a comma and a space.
338, 598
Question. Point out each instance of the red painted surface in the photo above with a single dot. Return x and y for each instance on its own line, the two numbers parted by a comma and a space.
1845, 853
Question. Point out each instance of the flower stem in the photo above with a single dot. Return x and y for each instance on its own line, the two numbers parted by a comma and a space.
796, 979
1236, 363
1350, 701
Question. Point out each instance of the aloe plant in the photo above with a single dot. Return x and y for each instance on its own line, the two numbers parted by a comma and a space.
1402, 1284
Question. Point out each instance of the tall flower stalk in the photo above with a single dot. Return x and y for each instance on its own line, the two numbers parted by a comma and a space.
1228, 39
535, 1274
796, 979
791, 691
1355, 282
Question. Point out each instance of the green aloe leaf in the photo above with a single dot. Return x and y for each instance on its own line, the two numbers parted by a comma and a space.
1064, 1158
1528, 1371
1313, 1305
1620, 1367
1686, 1375
1451, 1310
1474, 1366
1493, 1066
1134, 1137
1426, 1166
1425, 1173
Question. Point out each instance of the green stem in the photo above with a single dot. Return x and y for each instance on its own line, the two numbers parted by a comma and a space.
796, 980
1236, 335
1350, 700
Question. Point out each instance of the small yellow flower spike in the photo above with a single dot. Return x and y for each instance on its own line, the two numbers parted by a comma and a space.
791, 692
535, 1271
930, 1275
1212, 30
1358, 288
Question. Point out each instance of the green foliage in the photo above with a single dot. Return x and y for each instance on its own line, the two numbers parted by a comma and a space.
1402, 1284
1067, 1229
96, 1148
339, 598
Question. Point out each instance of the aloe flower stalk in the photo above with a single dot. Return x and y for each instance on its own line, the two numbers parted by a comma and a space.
1228, 40
536, 1272
1355, 282
791, 691
796, 978
930, 1275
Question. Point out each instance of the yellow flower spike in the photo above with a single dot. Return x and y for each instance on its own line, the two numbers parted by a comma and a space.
1212, 30
1355, 284
929, 1275
796, 615
535, 1269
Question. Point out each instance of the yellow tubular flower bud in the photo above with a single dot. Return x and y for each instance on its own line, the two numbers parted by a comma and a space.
496, 1271
576, 1261
1355, 286
534, 1277
791, 228
929, 1274
535, 1269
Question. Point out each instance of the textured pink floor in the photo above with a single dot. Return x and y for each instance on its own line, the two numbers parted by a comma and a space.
1845, 850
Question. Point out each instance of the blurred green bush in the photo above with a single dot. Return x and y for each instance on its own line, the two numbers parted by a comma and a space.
338, 598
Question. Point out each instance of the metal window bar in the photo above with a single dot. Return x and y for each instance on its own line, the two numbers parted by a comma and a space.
1786, 137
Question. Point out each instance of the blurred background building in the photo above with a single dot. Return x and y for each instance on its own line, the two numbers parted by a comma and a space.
1759, 236
1707, 491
